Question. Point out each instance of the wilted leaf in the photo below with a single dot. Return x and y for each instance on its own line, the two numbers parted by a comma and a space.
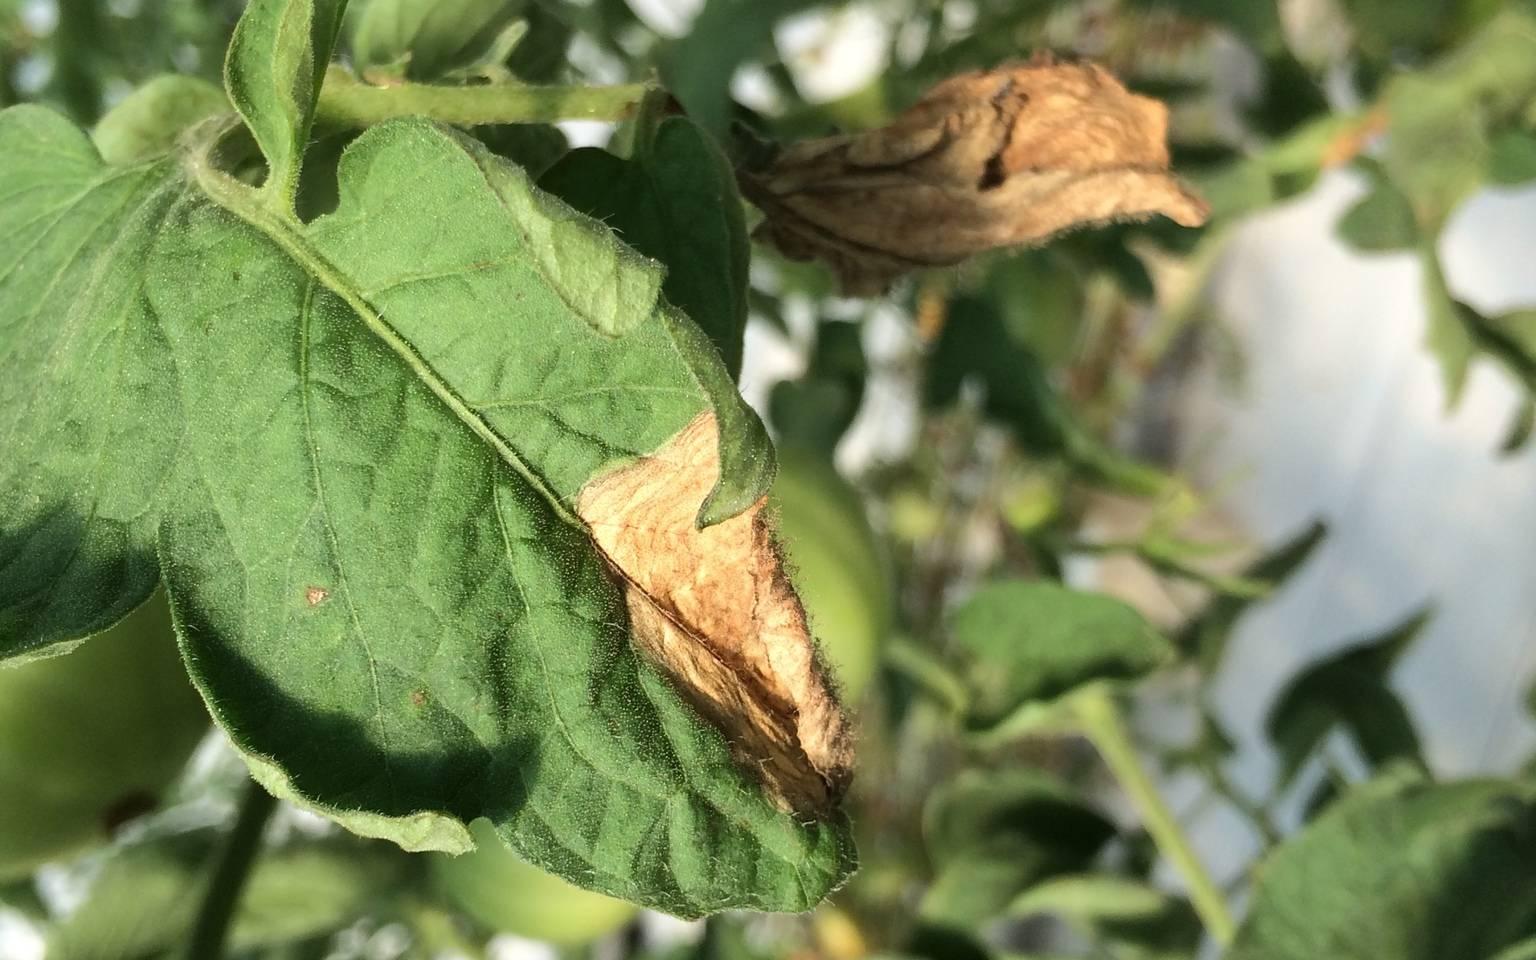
1401, 868
145, 898
985, 160
675, 202
714, 610
1030, 644
992, 834
1350, 690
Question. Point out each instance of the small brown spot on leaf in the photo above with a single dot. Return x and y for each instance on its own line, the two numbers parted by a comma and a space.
418, 698
315, 596
713, 609
995, 158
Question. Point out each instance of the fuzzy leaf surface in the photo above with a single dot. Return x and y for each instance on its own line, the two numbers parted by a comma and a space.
356, 445
89, 419
676, 203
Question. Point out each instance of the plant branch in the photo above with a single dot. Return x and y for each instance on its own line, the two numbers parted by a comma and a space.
238, 855
1102, 725
346, 102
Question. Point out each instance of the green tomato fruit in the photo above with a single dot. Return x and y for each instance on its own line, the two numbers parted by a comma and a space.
836, 564
91, 738
506, 894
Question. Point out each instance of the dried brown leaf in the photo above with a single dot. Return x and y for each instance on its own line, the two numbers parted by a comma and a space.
714, 610
990, 159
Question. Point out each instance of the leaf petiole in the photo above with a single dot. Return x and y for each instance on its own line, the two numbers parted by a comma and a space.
1101, 723
347, 102
230, 872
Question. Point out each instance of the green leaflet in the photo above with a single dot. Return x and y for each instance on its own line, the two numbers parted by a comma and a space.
993, 834
277, 57
148, 121
376, 584
1401, 868
677, 203
1350, 690
1139, 919
429, 38
89, 418
1029, 646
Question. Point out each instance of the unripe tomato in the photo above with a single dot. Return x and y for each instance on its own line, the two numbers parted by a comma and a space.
506, 894
836, 565
91, 738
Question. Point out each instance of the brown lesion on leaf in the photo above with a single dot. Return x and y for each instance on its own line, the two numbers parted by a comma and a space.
314, 596
714, 610
995, 158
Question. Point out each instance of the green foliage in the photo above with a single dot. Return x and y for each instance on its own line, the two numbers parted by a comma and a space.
317, 610
148, 121
336, 380
1401, 868
142, 902
92, 739
1207, 634
813, 412
676, 202
432, 38
1348, 690
1140, 920
1381, 221
994, 834
277, 58
1029, 646
78, 514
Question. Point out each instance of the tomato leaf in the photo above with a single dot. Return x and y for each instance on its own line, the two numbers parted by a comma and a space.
431, 37
1144, 921
1207, 634
452, 508
148, 121
1381, 221
89, 407
1349, 690
993, 834
1401, 868
277, 57
1031, 645
676, 202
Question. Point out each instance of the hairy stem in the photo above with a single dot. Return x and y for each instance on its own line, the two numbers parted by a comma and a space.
1102, 725
347, 102
230, 872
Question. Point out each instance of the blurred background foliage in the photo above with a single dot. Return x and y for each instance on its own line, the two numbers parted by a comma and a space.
1034, 383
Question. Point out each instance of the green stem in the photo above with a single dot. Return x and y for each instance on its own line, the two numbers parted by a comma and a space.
222, 894
346, 102
1102, 725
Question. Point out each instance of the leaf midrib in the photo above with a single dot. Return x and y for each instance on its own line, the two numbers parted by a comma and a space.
248, 204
